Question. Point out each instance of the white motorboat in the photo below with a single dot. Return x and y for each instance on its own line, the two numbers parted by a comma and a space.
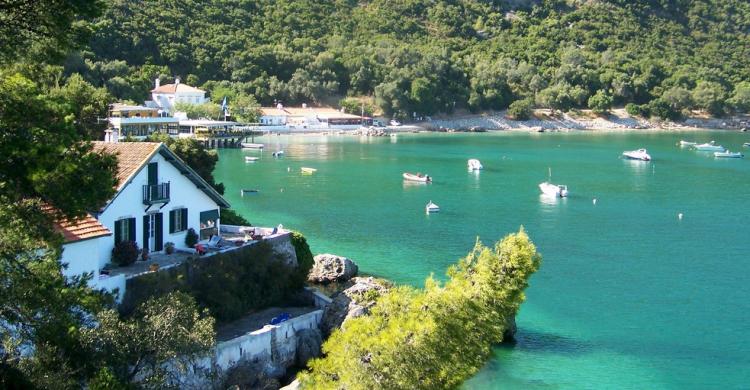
308, 170
557, 190
728, 154
251, 159
250, 145
640, 154
431, 208
279, 153
474, 165
417, 177
709, 147
687, 143
394, 122
746, 144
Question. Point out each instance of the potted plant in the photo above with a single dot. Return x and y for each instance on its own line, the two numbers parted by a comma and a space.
144, 254
191, 238
169, 247
153, 267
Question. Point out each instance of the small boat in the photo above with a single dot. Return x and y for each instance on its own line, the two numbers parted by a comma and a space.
308, 170
728, 154
558, 190
474, 164
250, 191
279, 153
687, 143
640, 154
394, 122
249, 145
251, 159
417, 177
431, 208
746, 144
709, 147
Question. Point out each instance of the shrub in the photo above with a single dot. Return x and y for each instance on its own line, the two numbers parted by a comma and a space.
191, 238
521, 110
231, 217
125, 253
600, 102
662, 109
636, 110
229, 284
305, 258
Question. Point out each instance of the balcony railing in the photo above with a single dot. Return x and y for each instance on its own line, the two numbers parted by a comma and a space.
156, 193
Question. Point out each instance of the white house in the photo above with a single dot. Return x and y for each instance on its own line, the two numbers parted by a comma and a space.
167, 95
158, 199
140, 121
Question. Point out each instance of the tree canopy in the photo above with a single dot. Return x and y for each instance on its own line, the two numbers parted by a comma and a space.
423, 57
436, 337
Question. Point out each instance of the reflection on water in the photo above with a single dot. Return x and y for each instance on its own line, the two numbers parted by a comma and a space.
408, 184
551, 200
638, 166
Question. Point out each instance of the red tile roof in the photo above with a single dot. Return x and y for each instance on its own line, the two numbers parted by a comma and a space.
172, 88
130, 156
81, 229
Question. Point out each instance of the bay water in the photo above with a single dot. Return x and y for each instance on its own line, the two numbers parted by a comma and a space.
629, 295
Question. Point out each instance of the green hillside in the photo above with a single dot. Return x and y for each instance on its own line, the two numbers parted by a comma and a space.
433, 56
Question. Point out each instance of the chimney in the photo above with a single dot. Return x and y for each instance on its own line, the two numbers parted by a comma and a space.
177, 80
157, 83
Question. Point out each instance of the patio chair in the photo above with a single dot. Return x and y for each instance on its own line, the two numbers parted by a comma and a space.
213, 243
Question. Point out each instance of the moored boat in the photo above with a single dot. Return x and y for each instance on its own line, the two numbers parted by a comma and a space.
687, 143
417, 177
728, 154
640, 154
251, 159
746, 144
431, 208
550, 189
474, 165
279, 153
250, 145
709, 147
308, 170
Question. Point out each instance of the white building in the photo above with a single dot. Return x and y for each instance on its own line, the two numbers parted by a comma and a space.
158, 199
140, 121
309, 118
167, 95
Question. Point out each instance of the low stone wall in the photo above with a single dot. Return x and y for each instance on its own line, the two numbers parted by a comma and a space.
276, 344
320, 300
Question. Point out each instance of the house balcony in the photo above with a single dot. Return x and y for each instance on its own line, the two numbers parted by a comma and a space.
155, 193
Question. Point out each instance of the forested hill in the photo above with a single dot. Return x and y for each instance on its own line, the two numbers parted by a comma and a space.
430, 56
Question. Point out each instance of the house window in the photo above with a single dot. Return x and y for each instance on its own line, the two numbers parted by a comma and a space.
124, 230
209, 223
178, 219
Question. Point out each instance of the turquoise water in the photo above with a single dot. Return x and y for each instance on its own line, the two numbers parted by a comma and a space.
628, 295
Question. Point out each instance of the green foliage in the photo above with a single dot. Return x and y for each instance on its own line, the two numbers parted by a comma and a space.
521, 109
637, 110
125, 253
191, 238
661, 109
710, 96
357, 106
420, 56
678, 99
168, 329
740, 100
305, 258
208, 110
229, 284
435, 337
600, 102
244, 108
231, 217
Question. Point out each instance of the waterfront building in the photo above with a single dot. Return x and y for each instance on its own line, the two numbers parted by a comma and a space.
140, 121
166, 96
309, 118
158, 199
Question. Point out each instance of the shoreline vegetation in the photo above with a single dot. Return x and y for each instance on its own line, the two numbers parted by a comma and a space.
432, 337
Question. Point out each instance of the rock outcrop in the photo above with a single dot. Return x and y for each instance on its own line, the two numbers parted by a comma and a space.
353, 302
309, 342
330, 268
510, 329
